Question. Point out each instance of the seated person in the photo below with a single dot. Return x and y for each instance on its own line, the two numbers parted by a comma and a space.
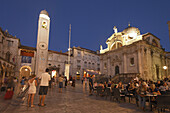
164, 88
120, 86
101, 84
109, 84
105, 85
131, 88
158, 84
154, 90
95, 85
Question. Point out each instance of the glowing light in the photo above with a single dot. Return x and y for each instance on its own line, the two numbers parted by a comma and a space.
165, 67
44, 16
133, 34
53, 73
26, 69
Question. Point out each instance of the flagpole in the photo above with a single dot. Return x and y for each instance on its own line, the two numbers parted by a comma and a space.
69, 44
67, 65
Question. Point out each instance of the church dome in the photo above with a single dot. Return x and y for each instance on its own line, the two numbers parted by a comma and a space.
131, 31
44, 12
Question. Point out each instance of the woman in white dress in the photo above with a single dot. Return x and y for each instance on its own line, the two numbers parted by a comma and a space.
32, 90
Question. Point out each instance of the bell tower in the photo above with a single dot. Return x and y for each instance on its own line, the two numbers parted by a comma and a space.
42, 42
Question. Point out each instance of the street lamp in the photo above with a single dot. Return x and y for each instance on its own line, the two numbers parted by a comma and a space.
165, 68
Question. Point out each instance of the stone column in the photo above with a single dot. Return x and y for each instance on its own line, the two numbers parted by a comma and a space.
108, 66
3, 77
101, 64
139, 61
124, 63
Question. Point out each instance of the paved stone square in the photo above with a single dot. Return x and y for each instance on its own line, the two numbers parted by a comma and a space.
71, 100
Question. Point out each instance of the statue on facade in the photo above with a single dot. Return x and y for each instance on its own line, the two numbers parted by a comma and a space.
101, 48
115, 29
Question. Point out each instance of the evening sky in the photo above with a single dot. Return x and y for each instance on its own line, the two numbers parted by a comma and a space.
92, 20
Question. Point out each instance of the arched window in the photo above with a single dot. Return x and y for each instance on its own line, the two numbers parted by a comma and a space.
119, 45
113, 47
154, 43
116, 70
85, 64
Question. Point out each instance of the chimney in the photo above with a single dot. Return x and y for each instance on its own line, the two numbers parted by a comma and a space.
169, 28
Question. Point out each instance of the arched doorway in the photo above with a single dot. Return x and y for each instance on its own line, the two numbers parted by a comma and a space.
116, 70
25, 71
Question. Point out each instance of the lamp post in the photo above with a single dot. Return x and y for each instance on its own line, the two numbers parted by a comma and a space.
165, 68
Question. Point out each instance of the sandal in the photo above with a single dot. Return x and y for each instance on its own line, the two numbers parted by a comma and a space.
43, 105
39, 104
32, 106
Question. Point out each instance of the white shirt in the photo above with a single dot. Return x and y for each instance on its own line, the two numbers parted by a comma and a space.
45, 78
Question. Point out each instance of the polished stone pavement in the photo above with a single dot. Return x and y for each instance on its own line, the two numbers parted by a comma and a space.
71, 100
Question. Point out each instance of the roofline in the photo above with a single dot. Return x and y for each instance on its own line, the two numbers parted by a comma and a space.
88, 50
58, 52
27, 47
150, 34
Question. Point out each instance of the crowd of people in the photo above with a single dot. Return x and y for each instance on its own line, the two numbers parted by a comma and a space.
139, 88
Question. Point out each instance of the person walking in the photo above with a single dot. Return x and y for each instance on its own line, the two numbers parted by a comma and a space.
90, 85
65, 81
44, 83
74, 82
32, 90
60, 80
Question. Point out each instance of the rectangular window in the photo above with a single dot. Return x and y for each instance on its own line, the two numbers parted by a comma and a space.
105, 65
78, 54
26, 59
132, 62
78, 61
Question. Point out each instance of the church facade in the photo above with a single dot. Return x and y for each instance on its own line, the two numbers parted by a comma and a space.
129, 52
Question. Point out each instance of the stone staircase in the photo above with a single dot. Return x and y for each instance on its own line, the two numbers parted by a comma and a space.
124, 77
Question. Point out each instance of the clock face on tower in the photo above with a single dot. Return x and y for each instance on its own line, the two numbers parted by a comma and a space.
44, 24
42, 45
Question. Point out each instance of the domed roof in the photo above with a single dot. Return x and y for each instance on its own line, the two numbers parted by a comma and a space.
44, 12
131, 29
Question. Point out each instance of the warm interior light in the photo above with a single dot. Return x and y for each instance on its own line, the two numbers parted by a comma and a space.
26, 69
165, 67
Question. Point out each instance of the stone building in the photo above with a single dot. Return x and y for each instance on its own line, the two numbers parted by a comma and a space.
8, 54
84, 60
129, 52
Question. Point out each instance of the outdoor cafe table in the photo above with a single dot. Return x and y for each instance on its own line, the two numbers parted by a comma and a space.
149, 95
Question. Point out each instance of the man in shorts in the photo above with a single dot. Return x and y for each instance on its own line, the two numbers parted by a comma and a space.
44, 83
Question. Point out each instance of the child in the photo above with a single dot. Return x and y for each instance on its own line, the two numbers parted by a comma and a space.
32, 90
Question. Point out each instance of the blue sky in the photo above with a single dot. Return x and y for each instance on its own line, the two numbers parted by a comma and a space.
92, 20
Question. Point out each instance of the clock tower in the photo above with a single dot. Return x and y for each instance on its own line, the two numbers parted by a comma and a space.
42, 42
